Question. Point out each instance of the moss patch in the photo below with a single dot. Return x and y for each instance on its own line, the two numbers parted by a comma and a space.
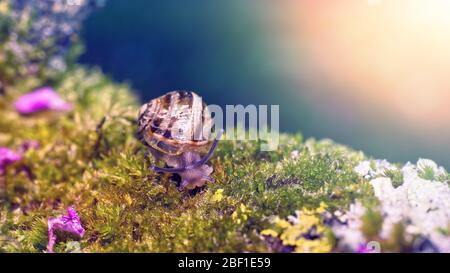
90, 158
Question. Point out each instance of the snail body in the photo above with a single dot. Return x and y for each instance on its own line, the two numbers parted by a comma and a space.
175, 128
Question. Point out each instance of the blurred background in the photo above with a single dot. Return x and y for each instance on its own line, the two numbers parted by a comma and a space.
371, 74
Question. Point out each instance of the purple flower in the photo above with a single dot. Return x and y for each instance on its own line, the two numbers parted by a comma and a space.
69, 223
7, 156
41, 99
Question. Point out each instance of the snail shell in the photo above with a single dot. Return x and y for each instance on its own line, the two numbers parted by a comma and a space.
176, 128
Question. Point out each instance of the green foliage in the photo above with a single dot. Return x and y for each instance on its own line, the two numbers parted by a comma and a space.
427, 173
396, 177
372, 222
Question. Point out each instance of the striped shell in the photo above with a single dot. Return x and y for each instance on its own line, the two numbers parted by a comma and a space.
175, 122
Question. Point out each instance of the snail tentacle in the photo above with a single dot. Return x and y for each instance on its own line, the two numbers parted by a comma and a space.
211, 150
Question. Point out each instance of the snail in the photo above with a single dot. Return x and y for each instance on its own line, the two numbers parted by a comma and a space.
176, 128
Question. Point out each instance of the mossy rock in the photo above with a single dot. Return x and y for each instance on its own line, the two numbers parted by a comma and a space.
91, 159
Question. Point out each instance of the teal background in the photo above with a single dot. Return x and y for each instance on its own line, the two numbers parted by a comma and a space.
225, 51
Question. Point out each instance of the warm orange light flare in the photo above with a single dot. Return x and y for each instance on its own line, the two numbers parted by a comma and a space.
394, 53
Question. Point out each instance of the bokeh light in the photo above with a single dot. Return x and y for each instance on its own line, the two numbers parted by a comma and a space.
393, 54
371, 74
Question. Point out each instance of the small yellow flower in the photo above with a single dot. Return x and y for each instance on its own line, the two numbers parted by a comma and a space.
218, 195
315, 246
269, 232
234, 216
322, 208
240, 214
128, 199
309, 220
291, 235
282, 223
294, 232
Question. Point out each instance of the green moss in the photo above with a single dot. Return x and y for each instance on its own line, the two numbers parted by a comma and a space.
427, 173
90, 158
372, 222
396, 177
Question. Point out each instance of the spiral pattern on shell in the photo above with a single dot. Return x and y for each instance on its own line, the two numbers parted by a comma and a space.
175, 122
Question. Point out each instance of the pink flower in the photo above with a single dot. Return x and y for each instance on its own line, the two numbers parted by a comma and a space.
362, 248
370, 247
7, 156
41, 99
69, 223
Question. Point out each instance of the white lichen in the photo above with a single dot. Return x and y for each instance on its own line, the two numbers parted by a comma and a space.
372, 169
422, 205
348, 228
